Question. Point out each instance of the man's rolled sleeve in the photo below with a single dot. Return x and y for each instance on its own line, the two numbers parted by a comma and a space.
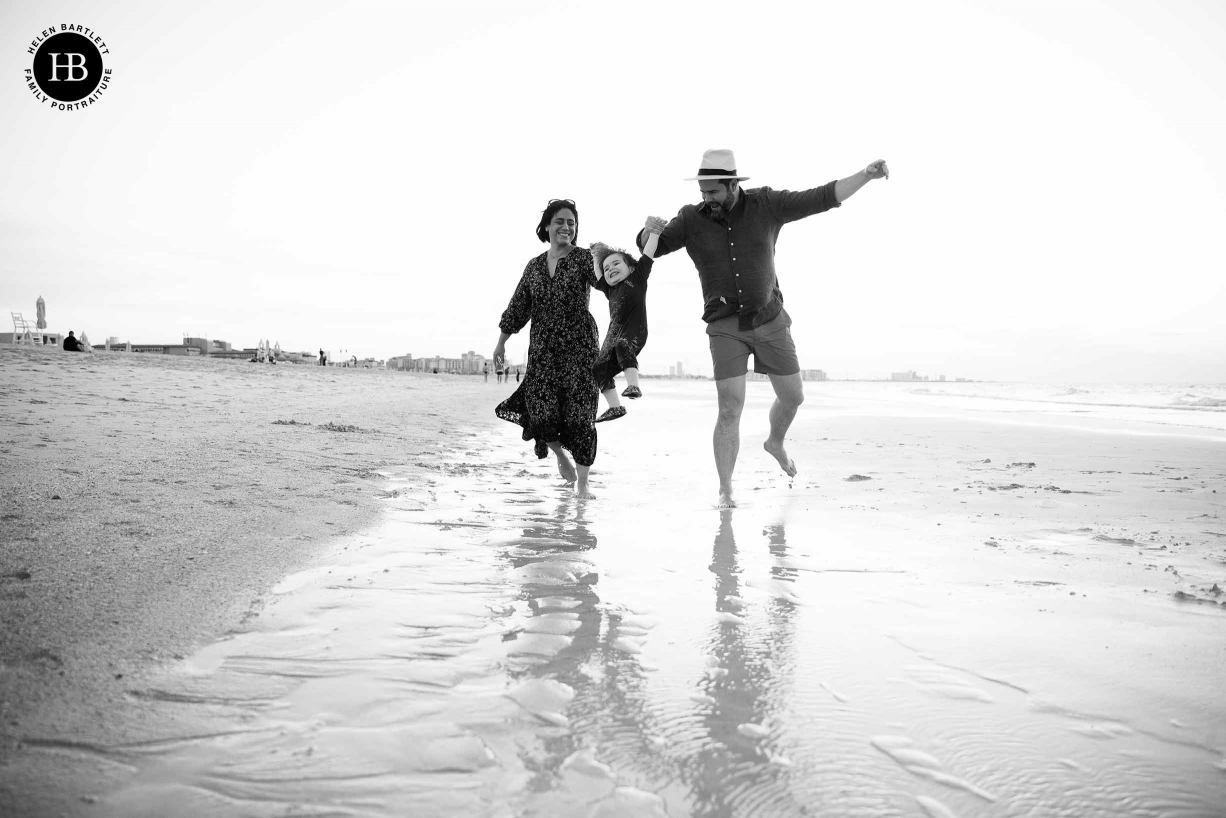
790, 205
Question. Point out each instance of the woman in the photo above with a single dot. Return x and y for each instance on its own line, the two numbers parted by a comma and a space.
556, 402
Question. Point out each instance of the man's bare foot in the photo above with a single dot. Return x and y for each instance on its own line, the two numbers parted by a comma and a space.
777, 451
725, 499
565, 467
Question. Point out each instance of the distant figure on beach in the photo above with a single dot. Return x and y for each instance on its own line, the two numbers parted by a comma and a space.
517, 374
71, 344
323, 359
730, 236
556, 403
486, 369
623, 279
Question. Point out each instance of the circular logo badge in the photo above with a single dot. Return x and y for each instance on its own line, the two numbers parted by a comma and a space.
68, 67
67, 71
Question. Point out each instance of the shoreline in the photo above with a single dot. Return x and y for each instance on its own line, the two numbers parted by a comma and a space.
290, 550
150, 504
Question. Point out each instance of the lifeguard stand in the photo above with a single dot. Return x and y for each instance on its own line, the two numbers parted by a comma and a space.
21, 330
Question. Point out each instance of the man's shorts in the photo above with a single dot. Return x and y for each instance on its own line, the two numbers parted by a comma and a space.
774, 353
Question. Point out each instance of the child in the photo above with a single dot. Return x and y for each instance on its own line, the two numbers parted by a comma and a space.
624, 280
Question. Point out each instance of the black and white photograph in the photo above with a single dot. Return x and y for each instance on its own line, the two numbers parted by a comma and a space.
613, 410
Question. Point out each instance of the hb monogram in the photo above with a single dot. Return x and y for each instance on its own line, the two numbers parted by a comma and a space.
70, 66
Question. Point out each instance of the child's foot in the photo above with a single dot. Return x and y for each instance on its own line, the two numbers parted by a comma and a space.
632, 392
612, 413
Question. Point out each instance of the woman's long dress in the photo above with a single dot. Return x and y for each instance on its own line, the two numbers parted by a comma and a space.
557, 398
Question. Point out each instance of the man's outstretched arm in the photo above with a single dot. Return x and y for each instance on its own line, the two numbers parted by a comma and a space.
845, 187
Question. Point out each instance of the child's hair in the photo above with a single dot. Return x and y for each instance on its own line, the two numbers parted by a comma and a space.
630, 260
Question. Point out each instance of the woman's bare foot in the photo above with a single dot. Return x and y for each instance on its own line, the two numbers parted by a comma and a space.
581, 489
725, 499
565, 467
777, 451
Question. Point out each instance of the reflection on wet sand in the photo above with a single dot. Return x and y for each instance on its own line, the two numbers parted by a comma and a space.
500, 648
740, 769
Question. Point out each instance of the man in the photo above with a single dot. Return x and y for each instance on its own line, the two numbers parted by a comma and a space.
71, 344
731, 238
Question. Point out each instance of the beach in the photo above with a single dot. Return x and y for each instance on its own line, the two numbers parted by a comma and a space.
235, 589
149, 503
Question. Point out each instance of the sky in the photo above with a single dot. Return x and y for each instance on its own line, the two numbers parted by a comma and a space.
366, 177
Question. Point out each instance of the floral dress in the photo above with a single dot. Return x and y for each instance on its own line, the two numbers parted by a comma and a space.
557, 398
627, 332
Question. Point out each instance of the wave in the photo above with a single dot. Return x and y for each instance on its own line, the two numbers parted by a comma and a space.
1191, 400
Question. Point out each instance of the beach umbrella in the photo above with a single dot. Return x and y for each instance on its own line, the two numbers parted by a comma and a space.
41, 309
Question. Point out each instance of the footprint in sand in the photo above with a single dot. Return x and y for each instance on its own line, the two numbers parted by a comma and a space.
752, 730
626, 645
545, 699
934, 808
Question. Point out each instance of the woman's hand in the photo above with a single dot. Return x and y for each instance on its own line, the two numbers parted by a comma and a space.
500, 355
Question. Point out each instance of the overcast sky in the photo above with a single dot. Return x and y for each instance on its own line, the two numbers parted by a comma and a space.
367, 176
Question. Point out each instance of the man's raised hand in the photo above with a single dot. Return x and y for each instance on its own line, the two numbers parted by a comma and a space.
877, 170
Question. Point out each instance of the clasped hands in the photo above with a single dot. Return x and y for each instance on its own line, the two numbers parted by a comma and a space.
654, 224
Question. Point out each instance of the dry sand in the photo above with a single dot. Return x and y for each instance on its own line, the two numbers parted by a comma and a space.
149, 501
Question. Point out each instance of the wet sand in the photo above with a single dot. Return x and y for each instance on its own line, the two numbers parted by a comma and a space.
150, 502
949, 611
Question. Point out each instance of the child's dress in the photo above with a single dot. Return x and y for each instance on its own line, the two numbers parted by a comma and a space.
627, 334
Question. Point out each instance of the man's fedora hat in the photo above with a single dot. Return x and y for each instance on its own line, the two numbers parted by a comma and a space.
717, 164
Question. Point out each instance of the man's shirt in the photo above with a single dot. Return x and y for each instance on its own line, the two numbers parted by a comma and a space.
735, 254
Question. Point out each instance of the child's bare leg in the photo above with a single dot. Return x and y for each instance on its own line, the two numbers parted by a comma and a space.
632, 376
610, 395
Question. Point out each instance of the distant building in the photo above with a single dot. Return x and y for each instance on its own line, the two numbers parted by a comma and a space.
207, 346
469, 363
904, 376
164, 349
812, 374
672, 372
472, 363
680, 370
38, 337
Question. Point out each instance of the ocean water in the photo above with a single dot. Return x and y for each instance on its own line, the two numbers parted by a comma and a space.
1194, 406
971, 601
